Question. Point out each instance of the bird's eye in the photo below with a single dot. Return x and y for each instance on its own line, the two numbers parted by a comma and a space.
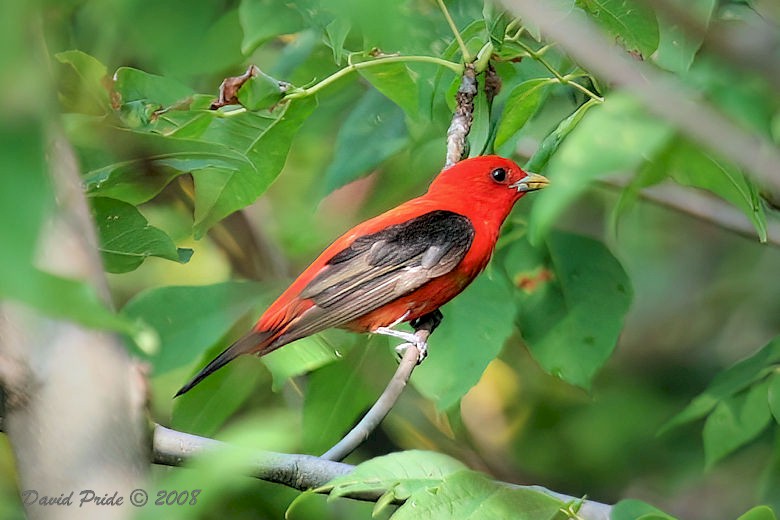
498, 175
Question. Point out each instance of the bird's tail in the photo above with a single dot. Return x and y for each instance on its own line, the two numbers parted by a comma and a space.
254, 341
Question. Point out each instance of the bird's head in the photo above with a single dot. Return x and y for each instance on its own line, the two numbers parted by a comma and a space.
488, 179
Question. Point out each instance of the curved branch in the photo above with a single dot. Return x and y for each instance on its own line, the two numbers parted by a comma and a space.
381, 407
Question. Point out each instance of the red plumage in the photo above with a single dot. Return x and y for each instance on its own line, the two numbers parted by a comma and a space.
399, 266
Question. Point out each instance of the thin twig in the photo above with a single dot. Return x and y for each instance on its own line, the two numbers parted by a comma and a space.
381, 407
467, 57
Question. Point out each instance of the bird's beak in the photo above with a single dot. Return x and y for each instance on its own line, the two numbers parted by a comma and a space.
531, 182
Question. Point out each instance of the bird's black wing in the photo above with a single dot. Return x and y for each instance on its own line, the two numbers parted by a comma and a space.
379, 268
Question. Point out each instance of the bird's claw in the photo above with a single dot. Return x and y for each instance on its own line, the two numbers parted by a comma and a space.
422, 350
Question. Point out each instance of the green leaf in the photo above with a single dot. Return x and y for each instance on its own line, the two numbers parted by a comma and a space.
205, 408
554, 139
89, 92
677, 47
260, 91
615, 136
735, 421
336, 394
373, 132
133, 85
395, 81
307, 354
774, 396
520, 106
191, 319
412, 468
126, 238
475, 327
496, 21
692, 166
264, 140
728, 383
337, 32
635, 510
472, 495
148, 162
262, 20
573, 296
632, 23
759, 513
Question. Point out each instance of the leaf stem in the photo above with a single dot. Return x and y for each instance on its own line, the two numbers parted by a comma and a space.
352, 67
563, 80
467, 57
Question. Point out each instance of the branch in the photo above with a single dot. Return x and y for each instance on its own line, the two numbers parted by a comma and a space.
462, 118
381, 407
306, 472
662, 93
703, 207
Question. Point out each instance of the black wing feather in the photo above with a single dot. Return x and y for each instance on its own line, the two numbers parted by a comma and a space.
379, 268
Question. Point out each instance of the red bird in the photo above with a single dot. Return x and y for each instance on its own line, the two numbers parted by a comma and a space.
400, 266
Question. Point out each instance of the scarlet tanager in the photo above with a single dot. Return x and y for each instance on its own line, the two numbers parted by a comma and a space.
400, 266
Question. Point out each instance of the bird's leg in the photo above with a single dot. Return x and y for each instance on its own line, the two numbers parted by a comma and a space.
428, 323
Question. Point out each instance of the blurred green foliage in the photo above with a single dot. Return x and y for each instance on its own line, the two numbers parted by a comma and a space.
521, 382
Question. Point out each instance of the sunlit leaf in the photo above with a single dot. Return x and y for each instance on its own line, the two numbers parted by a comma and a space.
636, 510
632, 23
520, 106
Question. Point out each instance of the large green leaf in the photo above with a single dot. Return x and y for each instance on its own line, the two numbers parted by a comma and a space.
264, 139
636, 510
475, 327
730, 382
191, 319
735, 421
758, 513
615, 136
405, 470
126, 238
205, 408
372, 132
632, 23
677, 46
89, 91
472, 495
307, 354
692, 166
395, 80
520, 106
336, 394
572, 298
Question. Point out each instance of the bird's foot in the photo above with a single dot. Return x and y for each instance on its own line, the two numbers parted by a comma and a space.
421, 344
422, 350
